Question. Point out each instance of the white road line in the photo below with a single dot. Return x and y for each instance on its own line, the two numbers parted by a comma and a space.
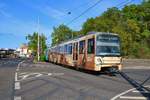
17, 85
136, 91
114, 98
16, 77
134, 98
23, 73
137, 67
17, 98
19, 65
49, 74
30, 75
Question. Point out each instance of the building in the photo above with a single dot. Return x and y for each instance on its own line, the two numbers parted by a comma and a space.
23, 51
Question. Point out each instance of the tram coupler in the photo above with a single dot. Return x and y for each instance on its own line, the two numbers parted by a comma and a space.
111, 71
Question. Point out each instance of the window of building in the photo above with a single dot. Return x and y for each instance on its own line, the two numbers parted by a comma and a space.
81, 46
90, 46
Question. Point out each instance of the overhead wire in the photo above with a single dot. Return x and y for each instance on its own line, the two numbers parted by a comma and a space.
126, 3
121, 3
118, 5
82, 5
84, 12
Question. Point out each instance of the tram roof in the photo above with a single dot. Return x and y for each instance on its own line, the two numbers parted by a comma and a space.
78, 37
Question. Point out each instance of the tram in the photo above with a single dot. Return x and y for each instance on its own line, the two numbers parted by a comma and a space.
94, 51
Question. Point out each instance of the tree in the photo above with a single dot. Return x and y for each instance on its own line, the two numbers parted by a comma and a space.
88, 26
61, 33
131, 23
33, 41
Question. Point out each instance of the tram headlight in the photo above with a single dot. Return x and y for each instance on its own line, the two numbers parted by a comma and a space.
99, 60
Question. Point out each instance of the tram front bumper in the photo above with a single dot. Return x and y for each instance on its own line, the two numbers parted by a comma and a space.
99, 67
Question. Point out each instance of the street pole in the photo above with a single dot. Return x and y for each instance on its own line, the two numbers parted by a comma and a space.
38, 44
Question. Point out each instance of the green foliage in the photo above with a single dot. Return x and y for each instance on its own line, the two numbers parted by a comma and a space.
132, 23
61, 33
42, 57
33, 41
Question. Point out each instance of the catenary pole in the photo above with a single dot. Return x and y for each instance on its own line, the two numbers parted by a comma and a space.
38, 43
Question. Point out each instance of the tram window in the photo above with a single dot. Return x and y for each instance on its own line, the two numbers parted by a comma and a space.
57, 49
90, 46
61, 49
81, 47
69, 51
65, 49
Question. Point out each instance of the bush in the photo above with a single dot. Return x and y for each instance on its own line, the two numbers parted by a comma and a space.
139, 51
43, 58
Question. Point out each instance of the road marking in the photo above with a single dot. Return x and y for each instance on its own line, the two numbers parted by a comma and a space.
17, 98
23, 73
29, 75
49, 74
16, 77
123, 93
17, 85
19, 65
134, 98
114, 98
137, 67
136, 91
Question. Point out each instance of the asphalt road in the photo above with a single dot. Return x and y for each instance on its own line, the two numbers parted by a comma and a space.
24, 80
7, 72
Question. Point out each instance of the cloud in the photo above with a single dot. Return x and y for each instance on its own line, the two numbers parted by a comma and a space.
45, 9
5, 14
16, 31
51, 12
3, 11
21, 27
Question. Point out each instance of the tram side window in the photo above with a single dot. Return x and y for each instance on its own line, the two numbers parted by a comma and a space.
56, 49
65, 49
81, 46
90, 46
69, 49
61, 49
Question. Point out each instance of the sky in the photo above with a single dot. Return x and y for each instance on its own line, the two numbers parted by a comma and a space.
18, 18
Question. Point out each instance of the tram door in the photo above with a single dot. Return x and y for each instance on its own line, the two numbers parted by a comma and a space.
75, 52
82, 54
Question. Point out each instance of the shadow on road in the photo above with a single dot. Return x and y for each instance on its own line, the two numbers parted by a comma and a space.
136, 85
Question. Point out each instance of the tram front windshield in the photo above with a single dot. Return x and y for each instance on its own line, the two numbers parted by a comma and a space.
107, 45
107, 50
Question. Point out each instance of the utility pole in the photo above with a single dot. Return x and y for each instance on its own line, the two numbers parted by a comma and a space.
38, 43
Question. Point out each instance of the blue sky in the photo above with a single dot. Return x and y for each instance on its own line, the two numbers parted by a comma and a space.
19, 17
